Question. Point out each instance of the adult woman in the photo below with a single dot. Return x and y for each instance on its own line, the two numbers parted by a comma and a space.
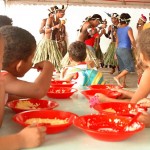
124, 43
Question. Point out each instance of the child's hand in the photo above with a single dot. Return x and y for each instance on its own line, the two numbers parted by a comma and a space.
31, 136
93, 101
145, 118
102, 98
39, 66
145, 102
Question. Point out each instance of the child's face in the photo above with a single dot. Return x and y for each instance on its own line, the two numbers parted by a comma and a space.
26, 65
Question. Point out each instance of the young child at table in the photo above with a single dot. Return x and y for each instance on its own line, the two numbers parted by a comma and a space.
79, 70
143, 90
19, 49
29, 137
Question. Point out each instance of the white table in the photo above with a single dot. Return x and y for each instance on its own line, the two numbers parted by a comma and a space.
75, 139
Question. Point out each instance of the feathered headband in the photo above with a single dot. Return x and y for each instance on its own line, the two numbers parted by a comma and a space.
61, 7
113, 15
51, 9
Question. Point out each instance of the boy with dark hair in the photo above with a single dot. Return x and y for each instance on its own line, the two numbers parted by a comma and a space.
79, 70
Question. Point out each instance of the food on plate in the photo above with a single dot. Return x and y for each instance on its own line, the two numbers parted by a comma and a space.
26, 105
110, 110
54, 121
58, 91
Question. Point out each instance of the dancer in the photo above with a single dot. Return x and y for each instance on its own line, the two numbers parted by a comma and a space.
125, 43
142, 20
109, 57
43, 23
86, 32
48, 48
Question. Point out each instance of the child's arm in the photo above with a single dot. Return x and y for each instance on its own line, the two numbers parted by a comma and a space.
144, 87
37, 89
2, 99
67, 74
29, 137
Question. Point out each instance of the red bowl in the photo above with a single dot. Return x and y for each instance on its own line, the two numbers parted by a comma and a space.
46, 114
31, 104
90, 93
105, 86
107, 127
61, 92
119, 108
62, 83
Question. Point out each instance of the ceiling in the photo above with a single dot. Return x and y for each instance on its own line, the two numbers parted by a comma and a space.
132, 3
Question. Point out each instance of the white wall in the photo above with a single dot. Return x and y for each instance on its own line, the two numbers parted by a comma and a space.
30, 16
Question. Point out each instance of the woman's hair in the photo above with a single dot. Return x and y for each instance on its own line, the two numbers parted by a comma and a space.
4, 20
77, 51
124, 18
19, 44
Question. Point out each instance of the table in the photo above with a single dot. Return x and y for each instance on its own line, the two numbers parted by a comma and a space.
75, 139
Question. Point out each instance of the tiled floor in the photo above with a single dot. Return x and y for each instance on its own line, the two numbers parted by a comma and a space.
131, 79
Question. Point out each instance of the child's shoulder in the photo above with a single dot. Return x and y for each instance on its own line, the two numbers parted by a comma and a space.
147, 70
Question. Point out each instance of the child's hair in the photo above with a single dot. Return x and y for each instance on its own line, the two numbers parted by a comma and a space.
77, 51
19, 44
124, 18
143, 46
143, 43
4, 20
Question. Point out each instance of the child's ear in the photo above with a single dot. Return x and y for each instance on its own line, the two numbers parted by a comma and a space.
19, 65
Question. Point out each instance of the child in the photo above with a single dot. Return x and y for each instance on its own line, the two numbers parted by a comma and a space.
29, 137
79, 71
143, 91
19, 50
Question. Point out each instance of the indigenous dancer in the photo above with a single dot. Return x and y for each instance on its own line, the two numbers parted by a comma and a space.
85, 33
62, 39
93, 43
125, 45
142, 20
43, 23
48, 48
109, 58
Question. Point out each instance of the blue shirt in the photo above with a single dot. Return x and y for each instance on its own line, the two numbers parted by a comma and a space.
123, 38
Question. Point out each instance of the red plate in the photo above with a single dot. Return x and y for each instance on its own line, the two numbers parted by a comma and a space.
47, 114
90, 93
106, 86
62, 83
107, 127
119, 108
37, 103
61, 92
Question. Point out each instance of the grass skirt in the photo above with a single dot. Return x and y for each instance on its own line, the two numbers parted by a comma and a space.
109, 56
48, 50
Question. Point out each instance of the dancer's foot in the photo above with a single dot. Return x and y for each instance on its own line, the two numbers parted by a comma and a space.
116, 79
124, 85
